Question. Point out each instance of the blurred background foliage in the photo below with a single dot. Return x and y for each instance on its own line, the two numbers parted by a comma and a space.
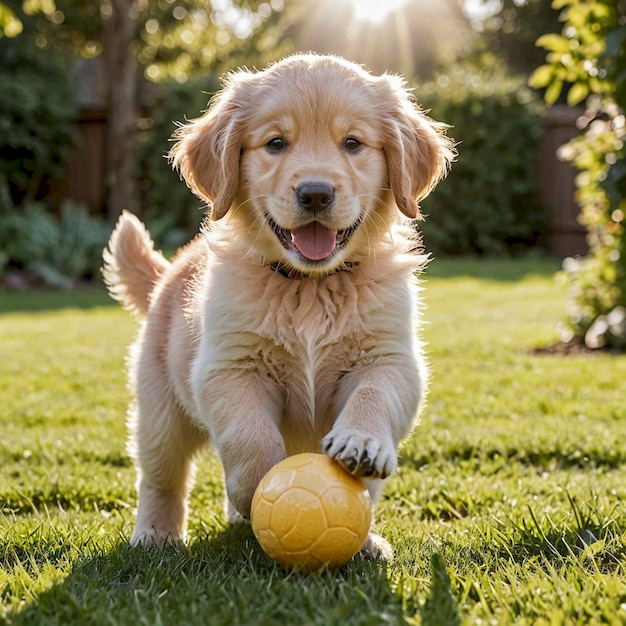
587, 61
490, 204
455, 52
469, 61
37, 115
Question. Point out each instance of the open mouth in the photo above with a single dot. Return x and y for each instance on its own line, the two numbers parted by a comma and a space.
313, 242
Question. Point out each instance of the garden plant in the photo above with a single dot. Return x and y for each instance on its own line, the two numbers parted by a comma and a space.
588, 61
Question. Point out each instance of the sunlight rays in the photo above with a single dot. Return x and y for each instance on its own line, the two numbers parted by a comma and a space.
408, 37
374, 11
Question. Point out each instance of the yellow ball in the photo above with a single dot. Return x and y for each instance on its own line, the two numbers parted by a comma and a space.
308, 512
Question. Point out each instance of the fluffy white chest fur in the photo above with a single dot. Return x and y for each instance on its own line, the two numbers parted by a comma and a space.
304, 336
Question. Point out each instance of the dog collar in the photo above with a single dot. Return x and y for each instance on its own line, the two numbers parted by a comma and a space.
293, 274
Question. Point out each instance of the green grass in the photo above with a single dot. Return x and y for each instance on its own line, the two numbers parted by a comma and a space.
507, 507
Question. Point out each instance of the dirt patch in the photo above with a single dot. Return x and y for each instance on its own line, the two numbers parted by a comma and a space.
572, 348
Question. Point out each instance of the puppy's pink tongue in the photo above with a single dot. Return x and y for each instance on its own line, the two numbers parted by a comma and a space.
314, 241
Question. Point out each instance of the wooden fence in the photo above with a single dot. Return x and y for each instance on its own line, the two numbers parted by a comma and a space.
556, 179
85, 172
84, 180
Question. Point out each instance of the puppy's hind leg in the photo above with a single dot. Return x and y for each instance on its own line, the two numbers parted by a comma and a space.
164, 442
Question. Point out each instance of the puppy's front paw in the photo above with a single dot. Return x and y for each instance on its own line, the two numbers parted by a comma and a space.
360, 453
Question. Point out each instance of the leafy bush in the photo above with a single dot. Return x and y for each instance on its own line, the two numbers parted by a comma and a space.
589, 60
168, 206
489, 202
36, 121
59, 250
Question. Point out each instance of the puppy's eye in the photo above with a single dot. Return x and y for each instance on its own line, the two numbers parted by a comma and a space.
278, 144
351, 144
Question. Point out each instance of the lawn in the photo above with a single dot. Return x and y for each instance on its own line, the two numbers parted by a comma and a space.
507, 508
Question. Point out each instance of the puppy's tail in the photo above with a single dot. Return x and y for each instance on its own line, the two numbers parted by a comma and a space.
132, 266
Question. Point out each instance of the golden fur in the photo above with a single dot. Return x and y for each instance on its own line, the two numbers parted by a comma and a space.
311, 167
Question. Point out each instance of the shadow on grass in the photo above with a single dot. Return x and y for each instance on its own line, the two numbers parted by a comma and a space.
39, 300
494, 455
227, 579
499, 269
441, 607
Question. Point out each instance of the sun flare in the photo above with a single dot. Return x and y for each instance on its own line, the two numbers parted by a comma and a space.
374, 10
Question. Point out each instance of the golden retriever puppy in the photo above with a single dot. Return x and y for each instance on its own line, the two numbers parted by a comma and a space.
289, 323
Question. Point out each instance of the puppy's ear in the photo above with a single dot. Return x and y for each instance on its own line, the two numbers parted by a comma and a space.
418, 151
207, 151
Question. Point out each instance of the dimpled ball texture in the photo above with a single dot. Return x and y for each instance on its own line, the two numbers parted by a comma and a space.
308, 512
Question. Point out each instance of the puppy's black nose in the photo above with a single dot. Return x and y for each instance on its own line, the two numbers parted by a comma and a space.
315, 196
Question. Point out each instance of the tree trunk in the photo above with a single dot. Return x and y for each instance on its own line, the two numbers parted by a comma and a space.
119, 31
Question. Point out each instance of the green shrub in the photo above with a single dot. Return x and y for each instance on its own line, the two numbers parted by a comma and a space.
171, 211
59, 250
588, 60
596, 298
489, 202
36, 121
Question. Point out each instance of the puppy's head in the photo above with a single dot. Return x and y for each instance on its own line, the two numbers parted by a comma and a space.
315, 157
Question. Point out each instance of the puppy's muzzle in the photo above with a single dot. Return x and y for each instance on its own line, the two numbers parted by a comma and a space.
315, 197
